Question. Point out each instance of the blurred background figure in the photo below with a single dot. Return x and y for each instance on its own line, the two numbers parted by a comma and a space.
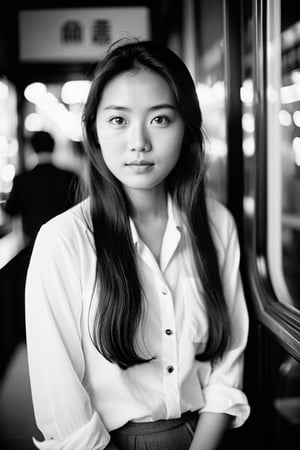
44, 191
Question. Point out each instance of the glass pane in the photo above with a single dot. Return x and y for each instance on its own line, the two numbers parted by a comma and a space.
283, 96
289, 120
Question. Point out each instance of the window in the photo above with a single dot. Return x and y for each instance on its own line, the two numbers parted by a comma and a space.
288, 147
269, 165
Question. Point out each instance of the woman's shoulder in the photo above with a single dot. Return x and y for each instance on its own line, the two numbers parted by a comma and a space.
221, 219
69, 223
65, 241
217, 210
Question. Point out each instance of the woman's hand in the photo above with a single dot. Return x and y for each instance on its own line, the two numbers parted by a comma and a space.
210, 431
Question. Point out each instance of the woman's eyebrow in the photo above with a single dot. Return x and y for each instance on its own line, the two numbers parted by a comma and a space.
152, 108
162, 106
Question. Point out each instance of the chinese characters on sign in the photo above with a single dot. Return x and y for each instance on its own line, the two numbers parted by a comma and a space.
78, 34
100, 33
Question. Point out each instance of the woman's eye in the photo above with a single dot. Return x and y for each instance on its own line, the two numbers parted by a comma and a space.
161, 120
118, 121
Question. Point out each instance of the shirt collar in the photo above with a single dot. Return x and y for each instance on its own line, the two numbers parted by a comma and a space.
173, 219
134, 233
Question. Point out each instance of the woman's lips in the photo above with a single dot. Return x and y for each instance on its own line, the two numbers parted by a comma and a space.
140, 163
140, 166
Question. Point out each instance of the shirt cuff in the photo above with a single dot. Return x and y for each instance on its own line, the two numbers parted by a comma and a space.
92, 436
228, 400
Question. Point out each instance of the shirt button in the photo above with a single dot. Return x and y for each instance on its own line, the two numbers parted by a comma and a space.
169, 332
170, 369
164, 291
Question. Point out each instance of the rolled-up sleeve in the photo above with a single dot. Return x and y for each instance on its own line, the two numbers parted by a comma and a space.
223, 392
62, 407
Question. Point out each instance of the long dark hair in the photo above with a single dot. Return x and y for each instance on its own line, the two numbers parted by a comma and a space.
120, 307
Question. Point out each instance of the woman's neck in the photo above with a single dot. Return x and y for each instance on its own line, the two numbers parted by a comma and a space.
148, 204
150, 215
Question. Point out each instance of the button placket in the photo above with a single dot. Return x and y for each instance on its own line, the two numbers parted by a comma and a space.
169, 348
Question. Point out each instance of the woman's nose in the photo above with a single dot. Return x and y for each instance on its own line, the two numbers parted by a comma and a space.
140, 140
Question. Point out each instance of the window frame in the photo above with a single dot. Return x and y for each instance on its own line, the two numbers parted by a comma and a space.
254, 227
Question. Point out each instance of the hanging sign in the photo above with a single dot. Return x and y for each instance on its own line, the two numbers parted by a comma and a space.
77, 35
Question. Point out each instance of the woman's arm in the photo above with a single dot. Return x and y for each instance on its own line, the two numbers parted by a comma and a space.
63, 409
223, 391
210, 431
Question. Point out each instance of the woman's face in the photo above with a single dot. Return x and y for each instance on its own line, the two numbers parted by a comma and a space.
140, 130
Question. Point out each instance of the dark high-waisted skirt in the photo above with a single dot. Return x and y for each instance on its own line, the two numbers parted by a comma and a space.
173, 434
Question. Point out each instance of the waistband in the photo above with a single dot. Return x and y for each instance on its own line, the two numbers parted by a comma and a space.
139, 428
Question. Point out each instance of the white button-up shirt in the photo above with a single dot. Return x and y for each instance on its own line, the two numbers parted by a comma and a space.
78, 395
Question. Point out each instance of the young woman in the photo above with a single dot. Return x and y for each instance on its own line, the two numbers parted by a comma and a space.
135, 314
